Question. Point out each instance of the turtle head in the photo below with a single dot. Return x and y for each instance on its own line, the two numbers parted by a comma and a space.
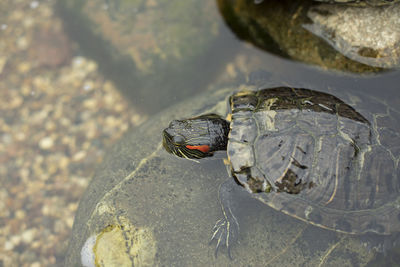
196, 137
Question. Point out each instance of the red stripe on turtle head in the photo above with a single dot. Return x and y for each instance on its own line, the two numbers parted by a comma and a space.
202, 148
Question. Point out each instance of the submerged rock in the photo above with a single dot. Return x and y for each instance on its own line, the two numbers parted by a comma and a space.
154, 51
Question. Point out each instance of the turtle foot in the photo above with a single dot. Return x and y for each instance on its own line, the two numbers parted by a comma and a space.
226, 230
225, 233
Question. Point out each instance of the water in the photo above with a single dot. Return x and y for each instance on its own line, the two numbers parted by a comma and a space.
45, 173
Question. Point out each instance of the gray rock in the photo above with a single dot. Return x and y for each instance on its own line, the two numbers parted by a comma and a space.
159, 210
368, 35
360, 39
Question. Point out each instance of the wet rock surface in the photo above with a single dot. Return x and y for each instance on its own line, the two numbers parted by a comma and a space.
367, 35
341, 37
177, 200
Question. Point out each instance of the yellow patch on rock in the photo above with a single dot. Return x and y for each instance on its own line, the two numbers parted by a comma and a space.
125, 245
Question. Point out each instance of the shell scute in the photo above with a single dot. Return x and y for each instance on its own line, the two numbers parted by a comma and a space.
243, 156
243, 129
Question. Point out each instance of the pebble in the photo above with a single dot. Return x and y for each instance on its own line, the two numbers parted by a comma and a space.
20, 214
79, 155
63, 118
34, 4
50, 47
8, 245
28, 235
24, 67
22, 43
46, 143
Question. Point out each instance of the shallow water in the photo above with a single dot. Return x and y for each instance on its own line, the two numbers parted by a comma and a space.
229, 68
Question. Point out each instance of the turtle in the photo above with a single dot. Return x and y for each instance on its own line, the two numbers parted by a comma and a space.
305, 153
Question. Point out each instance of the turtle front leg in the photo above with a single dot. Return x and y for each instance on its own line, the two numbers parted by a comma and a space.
226, 229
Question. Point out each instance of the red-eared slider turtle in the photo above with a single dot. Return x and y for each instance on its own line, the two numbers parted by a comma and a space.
305, 153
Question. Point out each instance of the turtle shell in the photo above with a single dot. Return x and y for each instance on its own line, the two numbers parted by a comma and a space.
314, 157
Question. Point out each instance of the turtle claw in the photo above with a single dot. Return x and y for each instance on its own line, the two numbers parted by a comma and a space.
219, 234
226, 229
225, 233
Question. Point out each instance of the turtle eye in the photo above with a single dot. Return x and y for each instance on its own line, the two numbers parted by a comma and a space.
178, 139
